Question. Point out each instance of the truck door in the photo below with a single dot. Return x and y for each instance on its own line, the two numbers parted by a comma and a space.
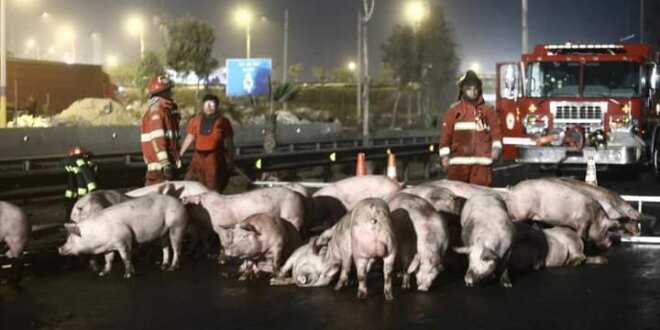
508, 91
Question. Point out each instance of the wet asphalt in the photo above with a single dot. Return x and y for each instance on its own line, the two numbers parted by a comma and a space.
624, 294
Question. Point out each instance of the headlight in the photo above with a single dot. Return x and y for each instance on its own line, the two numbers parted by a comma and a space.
621, 123
536, 124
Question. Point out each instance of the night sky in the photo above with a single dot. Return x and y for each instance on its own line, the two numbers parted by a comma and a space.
322, 32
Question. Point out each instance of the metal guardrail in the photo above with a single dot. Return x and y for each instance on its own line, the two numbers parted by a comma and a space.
44, 178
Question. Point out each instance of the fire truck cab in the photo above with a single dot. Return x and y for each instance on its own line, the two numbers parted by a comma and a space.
565, 104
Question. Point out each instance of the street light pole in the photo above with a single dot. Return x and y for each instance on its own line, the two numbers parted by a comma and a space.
368, 12
286, 46
142, 42
524, 26
247, 40
359, 68
3, 66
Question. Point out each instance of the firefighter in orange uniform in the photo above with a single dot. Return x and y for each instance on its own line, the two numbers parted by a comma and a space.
471, 136
160, 133
213, 157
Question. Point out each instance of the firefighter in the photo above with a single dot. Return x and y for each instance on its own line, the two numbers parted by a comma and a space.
213, 157
160, 133
81, 177
471, 136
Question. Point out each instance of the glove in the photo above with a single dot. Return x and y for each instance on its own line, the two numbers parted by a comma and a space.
168, 171
495, 154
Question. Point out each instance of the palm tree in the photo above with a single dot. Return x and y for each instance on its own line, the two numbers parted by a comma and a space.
279, 95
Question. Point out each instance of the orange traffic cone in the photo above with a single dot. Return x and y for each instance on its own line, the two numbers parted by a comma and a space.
361, 166
391, 167
590, 178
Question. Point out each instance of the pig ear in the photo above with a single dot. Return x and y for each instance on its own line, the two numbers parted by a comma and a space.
249, 227
488, 254
72, 229
463, 249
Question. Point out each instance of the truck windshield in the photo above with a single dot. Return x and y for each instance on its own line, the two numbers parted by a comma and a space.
547, 79
612, 79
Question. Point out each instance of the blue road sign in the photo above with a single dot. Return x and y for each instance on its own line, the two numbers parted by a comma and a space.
247, 77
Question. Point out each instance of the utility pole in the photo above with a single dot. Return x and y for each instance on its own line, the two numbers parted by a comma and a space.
3, 65
641, 22
285, 67
524, 27
359, 68
368, 12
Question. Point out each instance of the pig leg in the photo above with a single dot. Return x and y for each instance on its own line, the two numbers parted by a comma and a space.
165, 245
388, 267
412, 268
277, 256
343, 275
176, 240
93, 265
505, 281
109, 258
125, 254
246, 270
361, 266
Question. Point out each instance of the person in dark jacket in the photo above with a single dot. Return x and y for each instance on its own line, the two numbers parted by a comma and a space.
81, 177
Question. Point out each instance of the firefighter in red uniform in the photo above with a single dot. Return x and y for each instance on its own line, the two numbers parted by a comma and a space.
160, 133
213, 157
471, 136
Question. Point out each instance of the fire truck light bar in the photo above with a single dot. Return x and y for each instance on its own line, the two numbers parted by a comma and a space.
584, 46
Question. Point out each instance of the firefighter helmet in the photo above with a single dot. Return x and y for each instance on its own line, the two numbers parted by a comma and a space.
76, 150
159, 84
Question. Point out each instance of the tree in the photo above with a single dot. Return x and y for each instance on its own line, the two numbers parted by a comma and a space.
122, 75
279, 95
342, 74
295, 70
188, 47
319, 73
150, 66
425, 59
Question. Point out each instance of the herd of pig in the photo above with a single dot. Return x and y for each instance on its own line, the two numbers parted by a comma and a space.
316, 239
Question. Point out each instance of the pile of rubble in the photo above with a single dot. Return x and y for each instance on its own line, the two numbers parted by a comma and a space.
99, 112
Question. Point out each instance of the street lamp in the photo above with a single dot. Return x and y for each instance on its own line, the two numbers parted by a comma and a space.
352, 66
67, 34
97, 43
135, 26
475, 66
416, 12
112, 61
244, 16
31, 44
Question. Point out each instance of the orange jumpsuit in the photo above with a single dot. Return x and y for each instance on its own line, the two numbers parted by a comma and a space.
160, 139
209, 163
469, 135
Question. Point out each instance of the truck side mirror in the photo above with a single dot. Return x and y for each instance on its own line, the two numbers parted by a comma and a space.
509, 81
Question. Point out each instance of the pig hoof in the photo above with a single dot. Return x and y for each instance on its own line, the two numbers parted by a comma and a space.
423, 288
102, 274
597, 260
507, 285
389, 296
339, 286
173, 268
469, 285
362, 295
128, 276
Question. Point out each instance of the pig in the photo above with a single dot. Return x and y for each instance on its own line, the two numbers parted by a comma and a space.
95, 202
560, 205
432, 237
334, 201
115, 228
308, 267
182, 189
487, 233
336, 242
15, 229
464, 190
613, 205
535, 248
442, 199
224, 211
372, 236
261, 240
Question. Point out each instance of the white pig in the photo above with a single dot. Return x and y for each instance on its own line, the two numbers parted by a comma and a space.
14, 229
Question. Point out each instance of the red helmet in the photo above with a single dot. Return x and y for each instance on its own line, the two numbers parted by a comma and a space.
76, 150
159, 84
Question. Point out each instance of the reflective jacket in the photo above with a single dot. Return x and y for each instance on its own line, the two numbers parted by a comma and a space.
470, 133
81, 176
160, 134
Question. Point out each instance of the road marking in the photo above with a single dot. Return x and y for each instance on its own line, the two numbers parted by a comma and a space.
507, 167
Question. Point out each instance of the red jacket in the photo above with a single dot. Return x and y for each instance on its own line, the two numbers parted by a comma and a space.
470, 133
160, 135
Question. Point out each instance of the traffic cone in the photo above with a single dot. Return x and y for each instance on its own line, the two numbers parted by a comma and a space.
590, 178
391, 167
361, 166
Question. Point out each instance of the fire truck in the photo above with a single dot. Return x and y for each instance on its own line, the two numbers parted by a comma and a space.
569, 103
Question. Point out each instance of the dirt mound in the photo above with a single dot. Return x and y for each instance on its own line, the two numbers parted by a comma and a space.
99, 112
